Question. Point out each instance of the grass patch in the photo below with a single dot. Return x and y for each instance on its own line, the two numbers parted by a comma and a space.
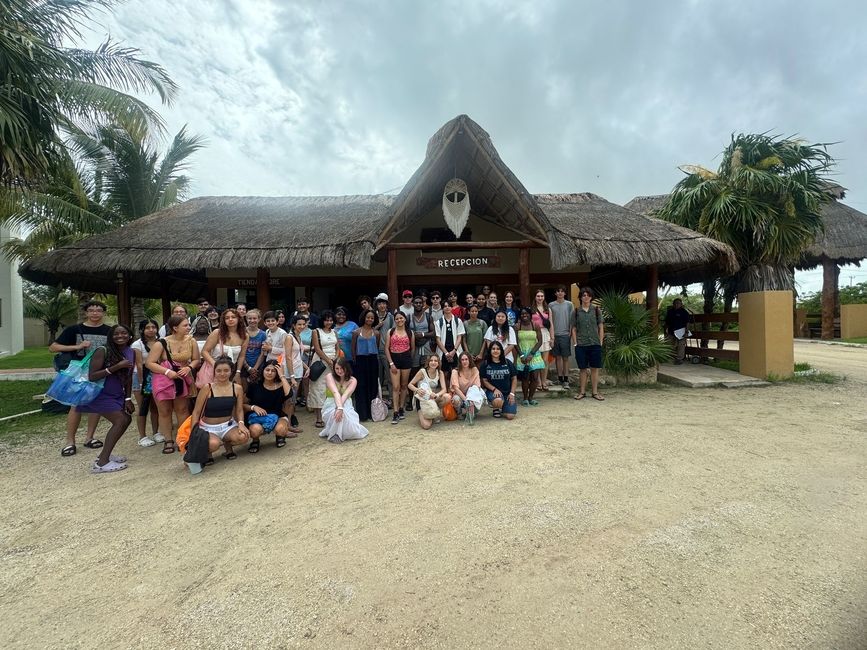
725, 364
17, 396
28, 358
806, 374
860, 339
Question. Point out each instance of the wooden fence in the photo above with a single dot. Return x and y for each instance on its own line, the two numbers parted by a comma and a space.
700, 325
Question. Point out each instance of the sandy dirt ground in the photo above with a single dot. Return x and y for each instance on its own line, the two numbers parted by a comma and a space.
661, 518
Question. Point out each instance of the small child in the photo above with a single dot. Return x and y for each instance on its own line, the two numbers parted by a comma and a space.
255, 356
275, 338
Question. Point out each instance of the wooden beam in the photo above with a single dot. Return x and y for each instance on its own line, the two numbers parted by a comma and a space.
652, 294
124, 309
391, 280
524, 275
829, 289
166, 300
263, 289
462, 245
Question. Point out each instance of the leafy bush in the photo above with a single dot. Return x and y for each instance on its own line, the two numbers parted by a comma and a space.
632, 345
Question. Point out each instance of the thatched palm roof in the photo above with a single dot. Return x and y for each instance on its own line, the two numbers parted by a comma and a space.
844, 240
345, 231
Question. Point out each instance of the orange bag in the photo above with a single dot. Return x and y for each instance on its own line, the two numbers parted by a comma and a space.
183, 436
449, 412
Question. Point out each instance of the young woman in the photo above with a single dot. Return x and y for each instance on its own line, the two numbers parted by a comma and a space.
228, 340
499, 379
341, 420
253, 357
175, 357
474, 337
466, 387
399, 351
457, 310
528, 361
500, 331
114, 363
302, 351
542, 319
429, 383
213, 316
509, 308
281, 321
365, 355
344, 329
201, 332
219, 410
177, 310
264, 407
141, 382
325, 345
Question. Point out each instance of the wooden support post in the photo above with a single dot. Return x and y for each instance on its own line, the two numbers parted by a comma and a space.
124, 309
391, 269
263, 289
166, 300
830, 275
524, 275
652, 294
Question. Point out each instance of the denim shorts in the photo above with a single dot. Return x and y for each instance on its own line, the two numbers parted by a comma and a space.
506, 408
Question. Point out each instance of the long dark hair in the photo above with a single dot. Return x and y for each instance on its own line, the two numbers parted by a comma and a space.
502, 330
490, 358
114, 354
141, 328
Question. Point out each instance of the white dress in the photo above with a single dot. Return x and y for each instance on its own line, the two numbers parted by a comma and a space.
349, 427
328, 343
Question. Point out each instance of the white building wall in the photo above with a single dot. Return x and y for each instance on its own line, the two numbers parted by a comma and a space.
11, 302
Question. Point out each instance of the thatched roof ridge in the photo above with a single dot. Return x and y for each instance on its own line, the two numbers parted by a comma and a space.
844, 240
587, 229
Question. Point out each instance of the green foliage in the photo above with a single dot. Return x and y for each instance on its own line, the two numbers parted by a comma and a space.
632, 345
38, 357
56, 307
17, 396
47, 87
764, 201
854, 295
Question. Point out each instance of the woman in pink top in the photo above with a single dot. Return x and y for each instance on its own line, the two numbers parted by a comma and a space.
399, 349
542, 318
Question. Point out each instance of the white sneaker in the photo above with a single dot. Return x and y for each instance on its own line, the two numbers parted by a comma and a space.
159, 437
147, 441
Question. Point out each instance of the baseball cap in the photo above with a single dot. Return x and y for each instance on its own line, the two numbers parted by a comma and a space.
406, 293
381, 296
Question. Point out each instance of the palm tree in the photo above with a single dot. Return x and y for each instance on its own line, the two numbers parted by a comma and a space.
47, 88
764, 201
56, 307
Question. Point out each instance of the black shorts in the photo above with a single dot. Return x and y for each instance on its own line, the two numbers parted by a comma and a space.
588, 356
402, 360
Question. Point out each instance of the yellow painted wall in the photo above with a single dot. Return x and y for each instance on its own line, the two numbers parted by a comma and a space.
766, 327
853, 321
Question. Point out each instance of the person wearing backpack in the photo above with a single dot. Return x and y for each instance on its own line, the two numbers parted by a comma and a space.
73, 344
588, 334
449, 337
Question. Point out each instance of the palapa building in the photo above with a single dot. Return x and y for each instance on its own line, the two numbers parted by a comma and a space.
462, 220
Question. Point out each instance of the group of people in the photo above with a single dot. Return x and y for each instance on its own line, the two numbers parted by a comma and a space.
242, 374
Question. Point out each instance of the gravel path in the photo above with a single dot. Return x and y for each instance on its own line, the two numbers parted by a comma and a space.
667, 518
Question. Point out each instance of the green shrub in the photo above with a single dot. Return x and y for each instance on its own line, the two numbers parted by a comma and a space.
632, 345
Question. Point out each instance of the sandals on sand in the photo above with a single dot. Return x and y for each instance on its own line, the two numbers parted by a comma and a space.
598, 397
110, 466
68, 450
93, 443
319, 424
254, 447
230, 455
280, 441
580, 396
169, 447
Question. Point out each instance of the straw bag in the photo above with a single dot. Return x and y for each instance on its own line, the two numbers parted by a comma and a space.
429, 409
378, 409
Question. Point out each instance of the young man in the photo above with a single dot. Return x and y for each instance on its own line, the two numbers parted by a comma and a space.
676, 327
383, 324
457, 310
436, 306
420, 324
449, 330
275, 338
76, 341
588, 334
202, 306
561, 333
485, 313
303, 309
406, 307
177, 310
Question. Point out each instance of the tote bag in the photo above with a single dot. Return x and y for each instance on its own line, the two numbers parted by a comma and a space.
72, 386
378, 409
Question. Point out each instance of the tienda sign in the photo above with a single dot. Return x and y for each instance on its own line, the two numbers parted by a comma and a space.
460, 262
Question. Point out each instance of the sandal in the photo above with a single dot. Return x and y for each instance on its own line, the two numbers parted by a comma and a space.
580, 396
280, 441
230, 455
598, 397
498, 413
68, 450
319, 424
254, 447
534, 402
109, 467
210, 461
169, 447
93, 443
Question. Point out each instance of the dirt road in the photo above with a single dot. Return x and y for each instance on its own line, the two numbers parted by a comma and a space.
668, 518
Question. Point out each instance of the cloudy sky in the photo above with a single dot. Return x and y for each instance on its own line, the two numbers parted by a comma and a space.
606, 97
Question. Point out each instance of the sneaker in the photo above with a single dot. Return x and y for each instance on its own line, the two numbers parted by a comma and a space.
395, 418
158, 437
147, 441
401, 414
565, 384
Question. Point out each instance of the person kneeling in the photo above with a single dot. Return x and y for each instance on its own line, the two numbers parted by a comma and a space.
265, 407
341, 419
499, 379
430, 390
219, 410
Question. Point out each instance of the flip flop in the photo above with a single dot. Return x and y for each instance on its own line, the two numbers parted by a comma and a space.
580, 396
68, 450
93, 443
109, 467
598, 397
280, 441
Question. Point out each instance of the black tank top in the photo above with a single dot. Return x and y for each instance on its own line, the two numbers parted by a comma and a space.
219, 407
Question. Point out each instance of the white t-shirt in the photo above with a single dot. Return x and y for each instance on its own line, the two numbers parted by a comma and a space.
457, 330
277, 342
509, 340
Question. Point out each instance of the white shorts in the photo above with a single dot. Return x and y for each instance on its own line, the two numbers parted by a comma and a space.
219, 430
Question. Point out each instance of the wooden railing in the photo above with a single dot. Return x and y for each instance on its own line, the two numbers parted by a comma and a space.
814, 326
701, 333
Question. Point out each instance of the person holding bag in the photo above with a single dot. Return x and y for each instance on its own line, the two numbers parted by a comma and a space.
172, 361
219, 410
265, 406
325, 345
430, 391
113, 364
467, 396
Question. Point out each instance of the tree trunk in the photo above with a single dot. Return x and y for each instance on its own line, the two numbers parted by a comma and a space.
708, 291
830, 291
730, 292
137, 310
765, 277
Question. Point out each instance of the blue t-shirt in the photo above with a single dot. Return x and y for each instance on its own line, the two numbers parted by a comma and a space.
254, 348
499, 375
344, 334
